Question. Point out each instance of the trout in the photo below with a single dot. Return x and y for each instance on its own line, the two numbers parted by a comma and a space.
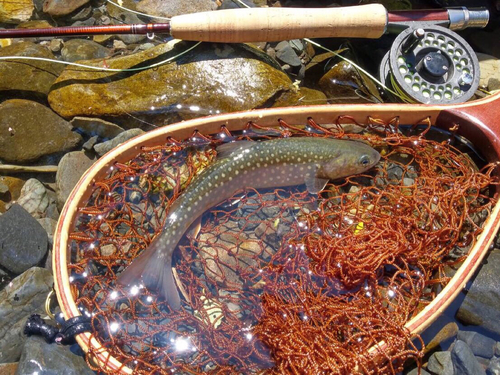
259, 164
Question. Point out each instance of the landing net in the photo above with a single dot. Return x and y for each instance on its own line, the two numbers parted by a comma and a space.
280, 281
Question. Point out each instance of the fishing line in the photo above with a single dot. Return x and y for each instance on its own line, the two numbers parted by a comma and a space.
136, 12
170, 59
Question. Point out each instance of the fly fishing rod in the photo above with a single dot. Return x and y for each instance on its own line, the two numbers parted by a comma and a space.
276, 24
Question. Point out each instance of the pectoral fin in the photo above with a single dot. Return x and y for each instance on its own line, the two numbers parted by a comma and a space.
315, 184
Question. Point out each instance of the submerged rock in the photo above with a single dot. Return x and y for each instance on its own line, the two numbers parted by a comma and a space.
15, 11
102, 148
23, 241
21, 121
82, 49
210, 79
62, 7
481, 305
27, 79
174, 8
25, 295
343, 83
71, 168
37, 200
96, 127
50, 359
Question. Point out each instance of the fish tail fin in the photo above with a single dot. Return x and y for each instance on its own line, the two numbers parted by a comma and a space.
154, 271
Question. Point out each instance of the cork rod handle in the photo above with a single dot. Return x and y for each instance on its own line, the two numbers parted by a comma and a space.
275, 24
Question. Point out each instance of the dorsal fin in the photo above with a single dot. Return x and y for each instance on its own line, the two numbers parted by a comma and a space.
227, 149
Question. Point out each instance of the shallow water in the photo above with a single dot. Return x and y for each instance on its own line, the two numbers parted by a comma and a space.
208, 80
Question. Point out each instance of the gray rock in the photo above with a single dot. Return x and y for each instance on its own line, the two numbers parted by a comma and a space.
286, 54
27, 80
480, 345
23, 241
95, 126
62, 7
21, 120
25, 295
104, 147
493, 367
464, 361
230, 4
119, 16
37, 200
416, 372
70, 169
89, 145
174, 8
50, 227
50, 359
481, 305
440, 363
83, 49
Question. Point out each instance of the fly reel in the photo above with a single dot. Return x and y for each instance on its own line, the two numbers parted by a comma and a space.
433, 66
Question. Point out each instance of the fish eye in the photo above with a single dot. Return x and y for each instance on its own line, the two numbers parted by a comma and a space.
364, 160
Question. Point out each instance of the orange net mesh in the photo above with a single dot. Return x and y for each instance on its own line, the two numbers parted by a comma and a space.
279, 281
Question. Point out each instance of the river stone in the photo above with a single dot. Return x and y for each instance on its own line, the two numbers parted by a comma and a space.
21, 121
8, 368
50, 359
172, 8
489, 67
25, 295
94, 126
15, 11
82, 49
464, 361
14, 186
102, 148
70, 169
440, 364
23, 241
50, 227
25, 79
120, 16
343, 83
210, 79
37, 200
493, 367
481, 305
480, 345
62, 7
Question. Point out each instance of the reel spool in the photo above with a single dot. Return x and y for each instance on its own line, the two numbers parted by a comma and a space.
432, 66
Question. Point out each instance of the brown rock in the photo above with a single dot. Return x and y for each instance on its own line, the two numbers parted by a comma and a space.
15, 11
14, 186
62, 7
173, 8
8, 368
22, 121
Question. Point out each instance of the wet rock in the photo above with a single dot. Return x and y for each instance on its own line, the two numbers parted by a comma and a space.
480, 345
89, 145
35, 24
252, 212
25, 295
95, 126
286, 54
490, 72
345, 84
449, 331
50, 359
174, 8
82, 49
70, 169
37, 200
15, 11
104, 147
464, 361
309, 96
14, 186
481, 305
21, 120
27, 80
56, 44
62, 7
493, 367
210, 79
23, 241
121, 16
440, 364
8, 368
